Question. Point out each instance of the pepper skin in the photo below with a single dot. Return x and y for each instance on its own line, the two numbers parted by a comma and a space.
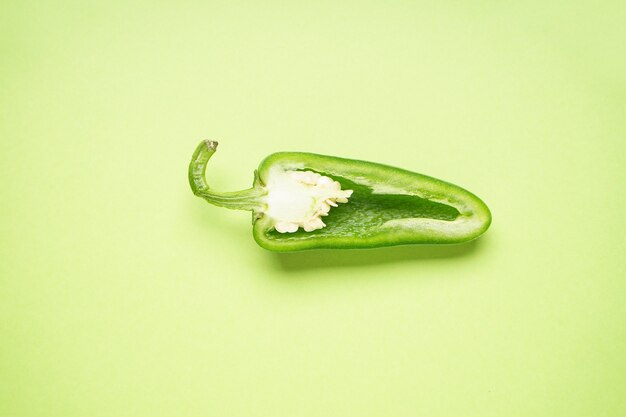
363, 204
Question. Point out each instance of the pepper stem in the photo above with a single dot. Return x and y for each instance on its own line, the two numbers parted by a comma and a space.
249, 199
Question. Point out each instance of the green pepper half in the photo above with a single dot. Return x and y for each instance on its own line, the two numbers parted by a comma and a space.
309, 201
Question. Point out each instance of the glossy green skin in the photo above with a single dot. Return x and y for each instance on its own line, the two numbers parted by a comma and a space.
359, 223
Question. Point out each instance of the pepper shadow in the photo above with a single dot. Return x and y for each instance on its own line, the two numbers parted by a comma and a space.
336, 258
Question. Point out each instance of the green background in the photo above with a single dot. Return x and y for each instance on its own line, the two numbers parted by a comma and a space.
121, 294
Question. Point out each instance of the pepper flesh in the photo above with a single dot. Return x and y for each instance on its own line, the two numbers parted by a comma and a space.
386, 206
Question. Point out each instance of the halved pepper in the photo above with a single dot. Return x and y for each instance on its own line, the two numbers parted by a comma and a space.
309, 201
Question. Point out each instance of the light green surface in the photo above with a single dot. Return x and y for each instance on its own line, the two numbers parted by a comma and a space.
121, 294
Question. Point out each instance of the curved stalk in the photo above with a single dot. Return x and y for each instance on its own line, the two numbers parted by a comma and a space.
249, 199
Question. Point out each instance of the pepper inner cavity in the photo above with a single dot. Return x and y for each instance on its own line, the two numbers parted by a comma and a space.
366, 211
